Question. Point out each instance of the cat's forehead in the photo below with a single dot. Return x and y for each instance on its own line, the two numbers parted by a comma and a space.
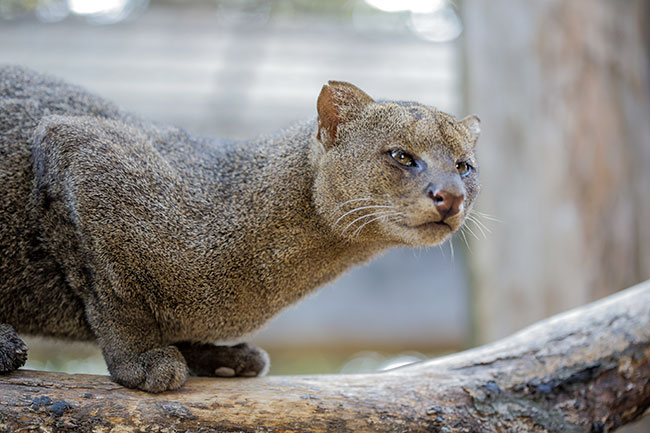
424, 128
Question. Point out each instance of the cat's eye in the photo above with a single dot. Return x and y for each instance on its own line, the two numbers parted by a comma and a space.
403, 158
464, 169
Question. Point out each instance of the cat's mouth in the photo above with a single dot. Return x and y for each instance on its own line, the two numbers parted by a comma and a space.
429, 225
426, 233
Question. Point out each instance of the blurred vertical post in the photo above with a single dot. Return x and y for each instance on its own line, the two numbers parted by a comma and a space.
562, 89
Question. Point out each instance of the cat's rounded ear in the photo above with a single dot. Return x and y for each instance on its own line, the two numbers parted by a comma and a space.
338, 102
473, 125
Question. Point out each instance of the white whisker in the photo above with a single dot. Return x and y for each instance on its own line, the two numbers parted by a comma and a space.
478, 225
357, 231
370, 215
471, 231
487, 229
451, 248
353, 200
477, 219
462, 232
487, 216
361, 208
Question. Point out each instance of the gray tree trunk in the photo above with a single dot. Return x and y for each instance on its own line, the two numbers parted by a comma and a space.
563, 91
562, 88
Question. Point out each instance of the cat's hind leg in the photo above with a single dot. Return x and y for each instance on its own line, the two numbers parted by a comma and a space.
243, 359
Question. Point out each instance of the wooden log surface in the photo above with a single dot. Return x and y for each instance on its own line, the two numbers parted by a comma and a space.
587, 370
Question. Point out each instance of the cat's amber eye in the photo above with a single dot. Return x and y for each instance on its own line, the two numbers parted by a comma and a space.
464, 169
403, 158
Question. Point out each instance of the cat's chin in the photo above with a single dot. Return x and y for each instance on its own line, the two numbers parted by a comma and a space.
425, 234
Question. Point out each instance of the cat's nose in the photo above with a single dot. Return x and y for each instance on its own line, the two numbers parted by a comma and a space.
447, 203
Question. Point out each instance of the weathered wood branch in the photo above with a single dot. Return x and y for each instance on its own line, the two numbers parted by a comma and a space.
587, 370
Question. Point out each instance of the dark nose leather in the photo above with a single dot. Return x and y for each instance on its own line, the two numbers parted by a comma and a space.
447, 203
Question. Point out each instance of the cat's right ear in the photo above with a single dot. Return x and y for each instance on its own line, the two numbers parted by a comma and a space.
338, 102
473, 125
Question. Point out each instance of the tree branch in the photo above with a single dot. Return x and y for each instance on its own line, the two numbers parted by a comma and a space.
587, 370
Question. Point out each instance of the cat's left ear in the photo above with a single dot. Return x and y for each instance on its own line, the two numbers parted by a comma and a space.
338, 102
473, 125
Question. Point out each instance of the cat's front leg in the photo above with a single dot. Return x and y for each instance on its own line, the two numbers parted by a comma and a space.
133, 348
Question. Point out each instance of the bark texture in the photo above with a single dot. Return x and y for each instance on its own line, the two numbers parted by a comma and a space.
587, 370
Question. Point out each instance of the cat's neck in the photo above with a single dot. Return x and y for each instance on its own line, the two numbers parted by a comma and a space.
286, 242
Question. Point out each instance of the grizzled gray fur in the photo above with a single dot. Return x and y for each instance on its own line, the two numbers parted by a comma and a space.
159, 245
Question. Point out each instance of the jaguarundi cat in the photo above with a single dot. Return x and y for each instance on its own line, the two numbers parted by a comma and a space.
162, 246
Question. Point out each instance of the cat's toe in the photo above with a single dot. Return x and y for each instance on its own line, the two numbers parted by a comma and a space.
250, 360
224, 372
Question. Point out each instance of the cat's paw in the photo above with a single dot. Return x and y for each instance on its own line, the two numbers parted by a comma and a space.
156, 370
243, 359
13, 350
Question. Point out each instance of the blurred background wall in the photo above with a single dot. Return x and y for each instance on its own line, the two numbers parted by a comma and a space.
562, 89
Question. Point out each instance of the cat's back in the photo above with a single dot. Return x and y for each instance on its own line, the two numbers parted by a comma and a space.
27, 96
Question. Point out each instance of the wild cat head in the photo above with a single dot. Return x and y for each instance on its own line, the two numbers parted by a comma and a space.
392, 172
